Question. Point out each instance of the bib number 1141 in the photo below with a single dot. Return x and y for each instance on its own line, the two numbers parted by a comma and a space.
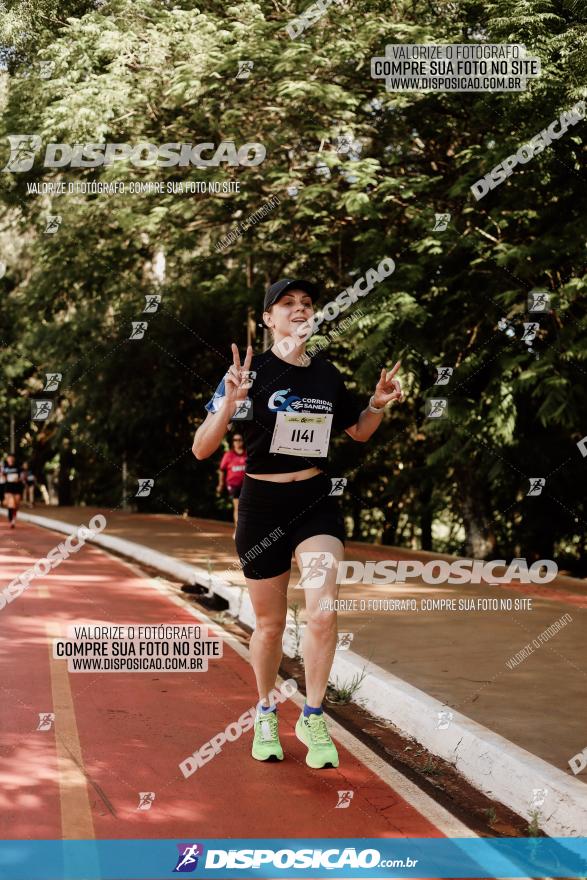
306, 434
297, 436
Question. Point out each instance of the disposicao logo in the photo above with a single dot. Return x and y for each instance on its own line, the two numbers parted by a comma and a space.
25, 147
187, 860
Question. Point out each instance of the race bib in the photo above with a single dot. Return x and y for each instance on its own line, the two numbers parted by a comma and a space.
302, 434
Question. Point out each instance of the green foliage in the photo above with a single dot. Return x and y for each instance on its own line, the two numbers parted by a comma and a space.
130, 72
344, 691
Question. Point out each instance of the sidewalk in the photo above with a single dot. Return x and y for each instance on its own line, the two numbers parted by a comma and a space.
456, 657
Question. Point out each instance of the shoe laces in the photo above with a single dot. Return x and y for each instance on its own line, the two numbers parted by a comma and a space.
268, 727
318, 730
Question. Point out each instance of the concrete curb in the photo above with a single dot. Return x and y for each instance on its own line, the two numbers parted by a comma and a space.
497, 767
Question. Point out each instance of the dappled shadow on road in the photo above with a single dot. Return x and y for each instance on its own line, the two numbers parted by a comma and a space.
29, 777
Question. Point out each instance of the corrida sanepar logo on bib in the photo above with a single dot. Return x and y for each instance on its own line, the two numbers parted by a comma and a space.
283, 401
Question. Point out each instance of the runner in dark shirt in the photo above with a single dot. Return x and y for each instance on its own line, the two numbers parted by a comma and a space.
287, 405
28, 485
13, 486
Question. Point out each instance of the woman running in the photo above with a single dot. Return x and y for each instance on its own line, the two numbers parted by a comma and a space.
12, 488
231, 473
293, 404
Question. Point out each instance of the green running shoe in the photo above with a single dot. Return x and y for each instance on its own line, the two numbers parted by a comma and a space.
266, 743
312, 731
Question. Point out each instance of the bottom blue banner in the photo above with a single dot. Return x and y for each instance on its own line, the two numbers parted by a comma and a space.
292, 857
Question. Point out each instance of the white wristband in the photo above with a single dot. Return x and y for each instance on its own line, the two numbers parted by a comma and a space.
374, 409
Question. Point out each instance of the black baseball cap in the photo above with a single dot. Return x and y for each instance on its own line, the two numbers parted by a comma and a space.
280, 287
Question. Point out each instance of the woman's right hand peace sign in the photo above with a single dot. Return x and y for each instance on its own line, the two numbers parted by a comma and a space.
238, 378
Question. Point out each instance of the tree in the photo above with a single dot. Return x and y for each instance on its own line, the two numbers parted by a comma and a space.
139, 72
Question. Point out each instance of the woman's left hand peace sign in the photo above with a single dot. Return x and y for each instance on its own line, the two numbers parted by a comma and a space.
388, 389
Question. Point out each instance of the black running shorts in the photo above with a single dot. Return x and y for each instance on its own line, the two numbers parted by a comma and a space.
13, 488
273, 518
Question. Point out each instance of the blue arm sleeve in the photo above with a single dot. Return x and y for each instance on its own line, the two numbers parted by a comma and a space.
215, 401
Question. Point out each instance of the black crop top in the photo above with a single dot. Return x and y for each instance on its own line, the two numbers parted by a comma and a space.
282, 387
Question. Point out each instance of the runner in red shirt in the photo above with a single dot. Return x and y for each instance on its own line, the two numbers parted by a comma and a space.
231, 473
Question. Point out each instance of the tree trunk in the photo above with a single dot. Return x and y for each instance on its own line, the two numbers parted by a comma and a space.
64, 483
426, 527
389, 534
479, 536
356, 515
425, 498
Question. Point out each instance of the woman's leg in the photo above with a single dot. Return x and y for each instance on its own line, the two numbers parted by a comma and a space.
235, 511
269, 598
9, 501
319, 643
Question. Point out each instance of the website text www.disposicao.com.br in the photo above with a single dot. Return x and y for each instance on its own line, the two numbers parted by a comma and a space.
333, 858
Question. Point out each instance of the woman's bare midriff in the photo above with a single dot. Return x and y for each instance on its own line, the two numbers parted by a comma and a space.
287, 478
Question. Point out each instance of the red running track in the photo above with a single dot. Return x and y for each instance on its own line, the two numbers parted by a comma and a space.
118, 734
